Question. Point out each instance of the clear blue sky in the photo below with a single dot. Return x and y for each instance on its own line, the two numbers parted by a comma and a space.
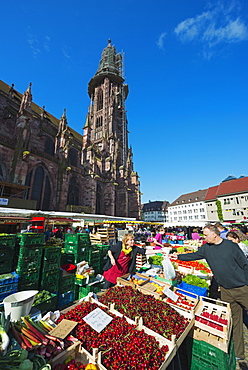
185, 64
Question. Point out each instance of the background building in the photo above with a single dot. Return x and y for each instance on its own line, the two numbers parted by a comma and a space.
155, 211
45, 164
189, 209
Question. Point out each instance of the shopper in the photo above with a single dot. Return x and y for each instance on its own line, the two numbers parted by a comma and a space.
233, 236
59, 233
159, 238
122, 259
230, 268
195, 235
222, 230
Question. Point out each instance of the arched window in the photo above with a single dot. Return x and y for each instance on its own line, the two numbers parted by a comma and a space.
40, 188
73, 192
72, 157
100, 99
99, 122
37, 186
49, 146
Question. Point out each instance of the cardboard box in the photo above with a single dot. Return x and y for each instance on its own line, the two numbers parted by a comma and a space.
126, 280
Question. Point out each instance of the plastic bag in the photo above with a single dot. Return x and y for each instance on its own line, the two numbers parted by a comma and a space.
169, 271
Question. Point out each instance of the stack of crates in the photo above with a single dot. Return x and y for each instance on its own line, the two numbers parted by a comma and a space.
7, 247
78, 245
50, 269
204, 356
66, 293
103, 248
29, 260
8, 284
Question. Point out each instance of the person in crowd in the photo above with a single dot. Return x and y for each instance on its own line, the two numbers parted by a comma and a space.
27, 230
230, 268
195, 235
159, 238
233, 236
47, 234
221, 229
122, 259
78, 229
59, 233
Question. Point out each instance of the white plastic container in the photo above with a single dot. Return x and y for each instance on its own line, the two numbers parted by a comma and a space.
19, 304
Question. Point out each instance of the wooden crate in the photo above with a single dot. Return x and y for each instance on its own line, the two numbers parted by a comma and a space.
77, 352
214, 340
193, 301
214, 307
125, 280
150, 289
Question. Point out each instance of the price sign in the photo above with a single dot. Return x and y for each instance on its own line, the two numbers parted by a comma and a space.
170, 294
63, 329
98, 319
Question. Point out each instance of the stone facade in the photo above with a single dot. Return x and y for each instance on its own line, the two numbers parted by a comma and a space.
61, 169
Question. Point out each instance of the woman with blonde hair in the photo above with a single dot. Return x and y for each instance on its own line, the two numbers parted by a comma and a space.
122, 259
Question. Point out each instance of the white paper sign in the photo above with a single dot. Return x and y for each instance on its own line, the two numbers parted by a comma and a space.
4, 201
98, 319
170, 294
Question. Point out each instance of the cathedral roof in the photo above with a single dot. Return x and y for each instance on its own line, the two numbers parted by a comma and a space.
17, 98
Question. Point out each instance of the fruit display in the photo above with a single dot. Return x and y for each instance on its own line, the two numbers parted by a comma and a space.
117, 341
157, 315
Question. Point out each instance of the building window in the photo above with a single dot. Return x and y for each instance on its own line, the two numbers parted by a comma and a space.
100, 99
72, 157
237, 200
99, 122
73, 192
49, 146
40, 188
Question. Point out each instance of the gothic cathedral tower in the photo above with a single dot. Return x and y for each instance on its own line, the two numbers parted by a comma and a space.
105, 152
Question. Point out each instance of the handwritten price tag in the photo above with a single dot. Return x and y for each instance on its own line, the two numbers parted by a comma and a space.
170, 294
98, 319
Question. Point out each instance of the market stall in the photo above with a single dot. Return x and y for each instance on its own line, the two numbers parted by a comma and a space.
64, 323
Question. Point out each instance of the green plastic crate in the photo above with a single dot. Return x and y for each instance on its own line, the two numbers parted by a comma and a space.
6, 251
30, 238
7, 240
77, 239
67, 258
51, 253
30, 251
50, 265
51, 286
209, 356
31, 285
66, 283
26, 264
6, 265
27, 277
50, 278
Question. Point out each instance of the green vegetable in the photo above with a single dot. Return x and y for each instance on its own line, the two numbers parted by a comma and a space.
26, 365
156, 260
195, 280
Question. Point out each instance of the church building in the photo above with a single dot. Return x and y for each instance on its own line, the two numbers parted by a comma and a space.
46, 165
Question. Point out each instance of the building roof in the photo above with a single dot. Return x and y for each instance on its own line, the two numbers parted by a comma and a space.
211, 193
157, 205
233, 186
196, 196
17, 97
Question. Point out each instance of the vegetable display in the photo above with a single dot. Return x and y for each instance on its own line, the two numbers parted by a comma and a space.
195, 280
156, 260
